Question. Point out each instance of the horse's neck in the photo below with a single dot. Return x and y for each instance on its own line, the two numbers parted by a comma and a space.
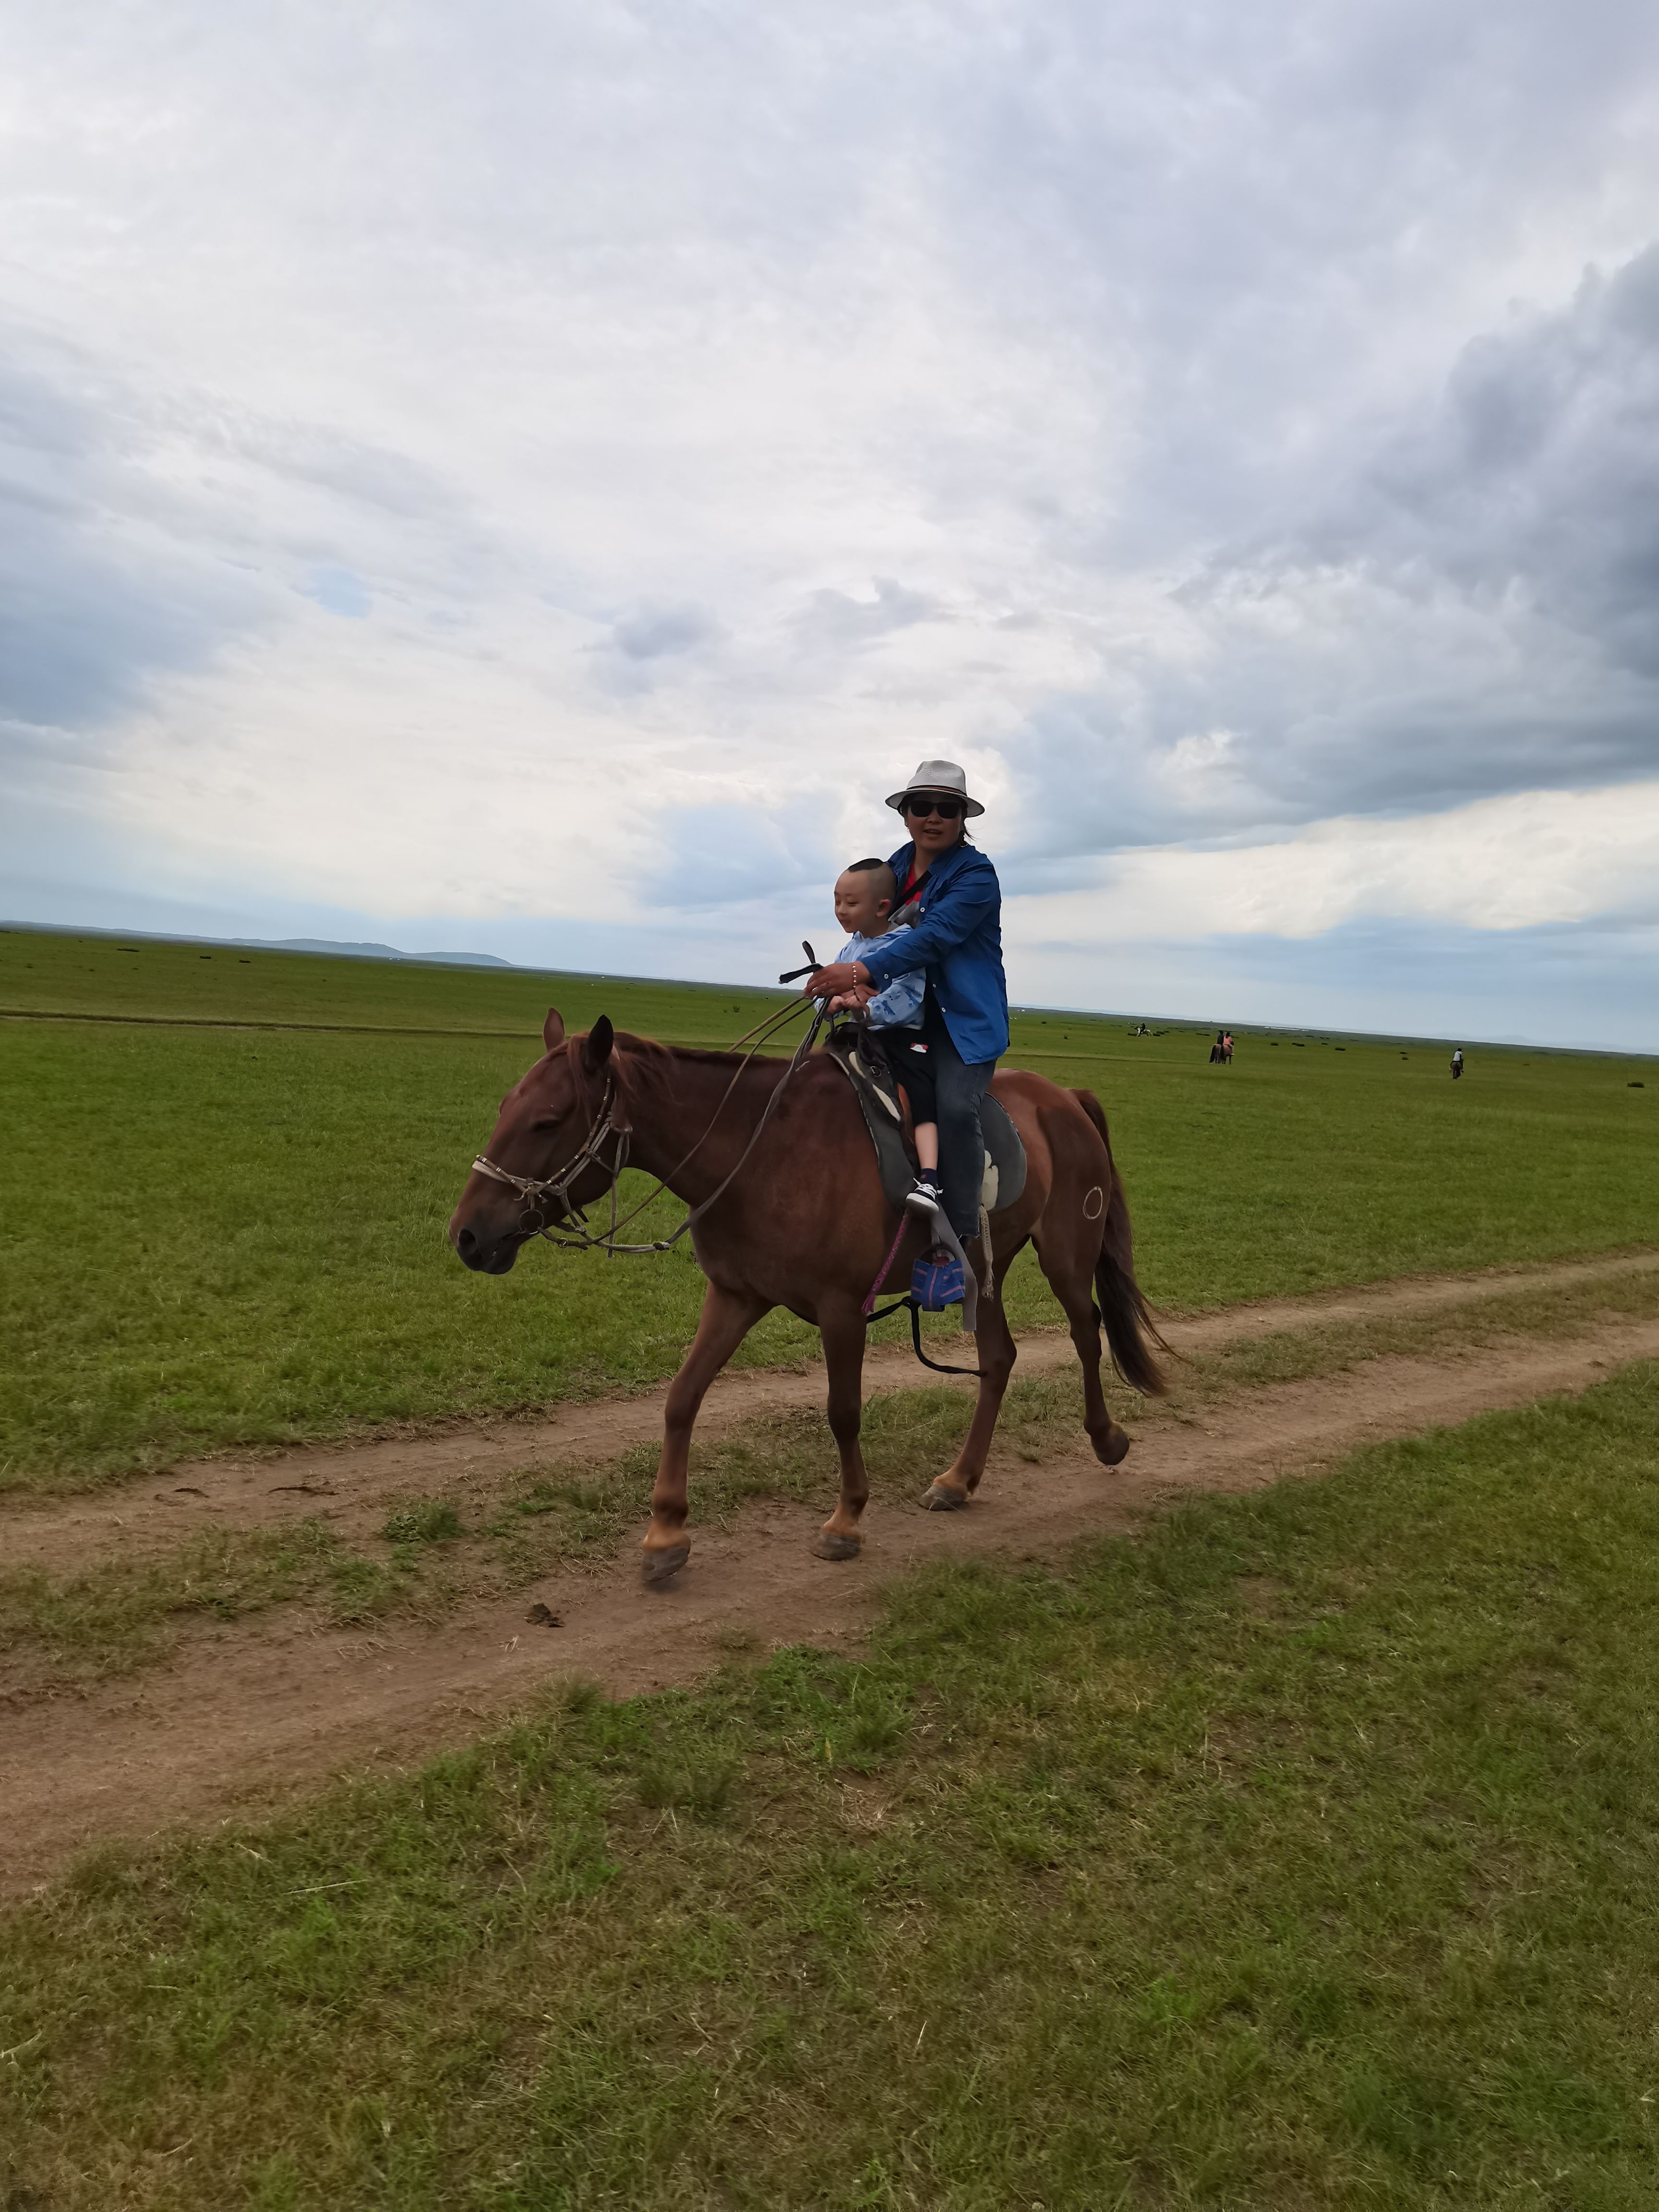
684, 1129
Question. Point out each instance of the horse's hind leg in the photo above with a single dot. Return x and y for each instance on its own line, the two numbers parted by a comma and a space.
950, 1492
1071, 1277
843, 1360
726, 1319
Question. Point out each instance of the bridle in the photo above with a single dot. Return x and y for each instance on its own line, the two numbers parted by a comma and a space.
534, 1189
569, 1226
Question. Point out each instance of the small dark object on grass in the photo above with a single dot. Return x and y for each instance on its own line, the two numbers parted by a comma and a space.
1636, 1087
540, 1616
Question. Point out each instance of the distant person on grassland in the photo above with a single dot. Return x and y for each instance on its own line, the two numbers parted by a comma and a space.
1456, 1061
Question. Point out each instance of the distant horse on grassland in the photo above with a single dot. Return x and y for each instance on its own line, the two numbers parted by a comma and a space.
804, 1225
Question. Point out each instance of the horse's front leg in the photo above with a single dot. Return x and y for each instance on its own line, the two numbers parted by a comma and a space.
950, 1492
726, 1319
843, 1359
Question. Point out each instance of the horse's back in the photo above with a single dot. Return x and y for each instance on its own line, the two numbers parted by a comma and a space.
1064, 1140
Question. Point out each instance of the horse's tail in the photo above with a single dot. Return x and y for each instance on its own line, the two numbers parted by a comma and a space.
1131, 1330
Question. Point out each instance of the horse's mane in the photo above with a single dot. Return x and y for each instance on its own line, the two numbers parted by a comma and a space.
651, 1049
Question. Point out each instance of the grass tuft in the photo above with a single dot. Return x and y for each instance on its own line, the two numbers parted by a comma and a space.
427, 1521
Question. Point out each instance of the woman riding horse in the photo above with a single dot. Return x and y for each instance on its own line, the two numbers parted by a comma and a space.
726, 1133
957, 935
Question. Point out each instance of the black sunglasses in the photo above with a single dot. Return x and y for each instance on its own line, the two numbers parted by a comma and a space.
920, 806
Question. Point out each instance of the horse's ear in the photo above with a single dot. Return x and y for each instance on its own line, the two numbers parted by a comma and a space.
596, 1045
553, 1030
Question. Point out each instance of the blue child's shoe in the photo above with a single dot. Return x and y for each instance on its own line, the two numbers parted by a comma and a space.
936, 1282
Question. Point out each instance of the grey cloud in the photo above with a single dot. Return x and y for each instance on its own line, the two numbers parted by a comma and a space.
87, 611
1541, 473
724, 856
651, 633
832, 619
117, 567
355, 469
1460, 601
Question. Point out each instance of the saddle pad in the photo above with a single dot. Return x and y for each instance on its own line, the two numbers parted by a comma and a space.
874, 1089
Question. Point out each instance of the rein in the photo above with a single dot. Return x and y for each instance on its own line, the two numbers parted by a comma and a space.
569, 1228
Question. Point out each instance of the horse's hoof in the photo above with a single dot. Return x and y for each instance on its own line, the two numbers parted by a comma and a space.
939, 1497
1113, 1447
828, 1546
662, 1566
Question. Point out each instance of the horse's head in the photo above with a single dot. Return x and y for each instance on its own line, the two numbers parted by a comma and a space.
545, 1119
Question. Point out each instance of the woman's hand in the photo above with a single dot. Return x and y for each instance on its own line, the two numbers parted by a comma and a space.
840, 976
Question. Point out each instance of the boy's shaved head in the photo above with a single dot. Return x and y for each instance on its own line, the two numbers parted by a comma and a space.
886, 886
864, 897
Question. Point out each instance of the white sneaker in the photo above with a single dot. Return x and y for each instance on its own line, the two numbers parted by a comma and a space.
923, 1201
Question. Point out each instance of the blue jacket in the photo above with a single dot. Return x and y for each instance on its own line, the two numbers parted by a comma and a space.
958, 939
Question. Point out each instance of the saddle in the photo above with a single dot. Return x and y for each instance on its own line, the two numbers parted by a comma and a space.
856, 1051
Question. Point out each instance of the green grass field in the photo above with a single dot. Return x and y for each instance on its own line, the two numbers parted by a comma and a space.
216, 1236
1297, 1855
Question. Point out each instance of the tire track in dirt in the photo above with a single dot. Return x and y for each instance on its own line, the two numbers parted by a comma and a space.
247, 1718
350, 1485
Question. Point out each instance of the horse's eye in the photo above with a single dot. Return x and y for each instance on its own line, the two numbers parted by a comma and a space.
541, 1127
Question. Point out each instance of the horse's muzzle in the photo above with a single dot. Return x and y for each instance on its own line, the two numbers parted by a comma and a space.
485, 1255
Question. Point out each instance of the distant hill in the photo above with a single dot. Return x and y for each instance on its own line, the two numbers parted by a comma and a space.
334, 945
371, 951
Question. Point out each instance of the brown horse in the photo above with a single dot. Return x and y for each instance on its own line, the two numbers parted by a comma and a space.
803, 1223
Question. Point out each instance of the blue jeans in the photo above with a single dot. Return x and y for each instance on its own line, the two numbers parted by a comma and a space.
961, 1085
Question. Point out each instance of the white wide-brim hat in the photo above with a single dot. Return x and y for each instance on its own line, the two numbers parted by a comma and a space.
942, 776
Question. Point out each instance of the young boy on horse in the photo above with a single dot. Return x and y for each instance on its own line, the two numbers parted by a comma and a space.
955, 938
864, 905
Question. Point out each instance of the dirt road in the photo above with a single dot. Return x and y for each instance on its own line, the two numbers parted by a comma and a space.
275, 1704
349, 1485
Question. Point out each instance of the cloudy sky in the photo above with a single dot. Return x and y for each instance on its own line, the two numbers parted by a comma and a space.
532, 477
